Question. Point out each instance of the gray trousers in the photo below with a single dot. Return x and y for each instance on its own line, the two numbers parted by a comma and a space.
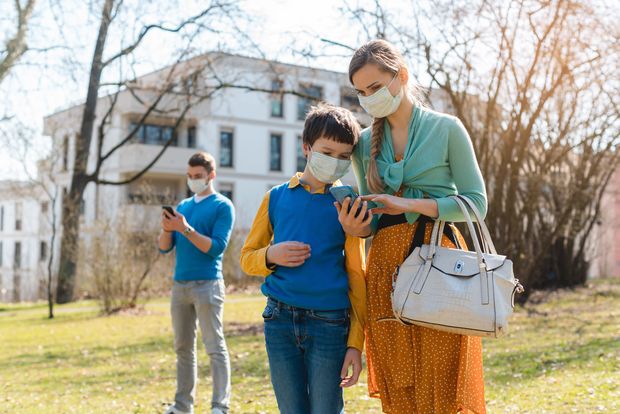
200, 302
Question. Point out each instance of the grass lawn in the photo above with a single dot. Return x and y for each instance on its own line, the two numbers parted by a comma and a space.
562, 356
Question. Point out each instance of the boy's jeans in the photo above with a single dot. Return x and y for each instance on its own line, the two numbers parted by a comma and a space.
200, 301
306, 349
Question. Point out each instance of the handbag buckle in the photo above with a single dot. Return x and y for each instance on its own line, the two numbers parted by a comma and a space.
518, 286
459, 266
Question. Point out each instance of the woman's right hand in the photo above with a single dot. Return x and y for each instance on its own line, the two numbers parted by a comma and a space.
352, 224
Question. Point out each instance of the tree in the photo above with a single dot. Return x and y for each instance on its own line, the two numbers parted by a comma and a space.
81, 177
171, 92
16, 44
535, 84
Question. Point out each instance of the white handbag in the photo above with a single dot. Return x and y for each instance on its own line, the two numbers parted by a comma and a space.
465, 292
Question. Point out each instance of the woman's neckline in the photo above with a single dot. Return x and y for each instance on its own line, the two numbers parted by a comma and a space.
410, 137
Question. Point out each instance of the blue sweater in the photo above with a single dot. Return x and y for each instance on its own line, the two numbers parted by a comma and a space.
322, 282
212, 217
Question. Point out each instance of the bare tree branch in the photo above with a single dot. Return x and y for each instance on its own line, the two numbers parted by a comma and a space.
16, 45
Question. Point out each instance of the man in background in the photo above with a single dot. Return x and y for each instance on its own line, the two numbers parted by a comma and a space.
199, 229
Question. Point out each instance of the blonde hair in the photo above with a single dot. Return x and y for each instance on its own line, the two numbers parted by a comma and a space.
388, 59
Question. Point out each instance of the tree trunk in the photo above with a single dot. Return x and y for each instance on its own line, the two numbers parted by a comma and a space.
69, 245
71, 202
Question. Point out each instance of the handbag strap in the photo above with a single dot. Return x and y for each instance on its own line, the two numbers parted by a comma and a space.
484, 230
482, 266
472, 230
418, 235
420, 231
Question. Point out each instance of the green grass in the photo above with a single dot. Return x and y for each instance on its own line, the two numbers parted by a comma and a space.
562, 356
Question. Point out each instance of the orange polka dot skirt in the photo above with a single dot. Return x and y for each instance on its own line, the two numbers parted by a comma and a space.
413, 369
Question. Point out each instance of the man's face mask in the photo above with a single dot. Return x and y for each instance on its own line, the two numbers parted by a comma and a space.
327, 169
381, 103
197, 185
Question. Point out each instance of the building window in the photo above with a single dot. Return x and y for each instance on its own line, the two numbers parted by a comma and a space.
349, 100
304, 104
1, 218
275, 152
43, 251
277, 99
226, 189
44, 207
226, 149
17, 256
152, 134
1, 256
18, 216
301, 158
65, 153
191, 137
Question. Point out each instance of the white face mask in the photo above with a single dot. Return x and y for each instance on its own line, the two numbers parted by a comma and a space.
198, 185
327, 169
381, 103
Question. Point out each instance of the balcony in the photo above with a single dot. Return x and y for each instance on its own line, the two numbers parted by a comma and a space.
134, 157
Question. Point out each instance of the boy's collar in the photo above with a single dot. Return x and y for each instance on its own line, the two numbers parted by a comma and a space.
296, 181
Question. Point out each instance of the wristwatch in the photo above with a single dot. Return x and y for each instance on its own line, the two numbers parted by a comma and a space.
187, 231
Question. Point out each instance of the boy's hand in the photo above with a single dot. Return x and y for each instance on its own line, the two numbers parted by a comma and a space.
352, 223
352, 357
289, 254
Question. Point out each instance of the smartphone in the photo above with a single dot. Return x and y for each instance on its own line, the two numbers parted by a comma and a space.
169, 209
344, 191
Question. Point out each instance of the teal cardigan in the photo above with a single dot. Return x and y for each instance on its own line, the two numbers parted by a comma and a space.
439, 161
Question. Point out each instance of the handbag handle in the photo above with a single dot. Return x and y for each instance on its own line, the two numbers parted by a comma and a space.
482, 266
434, 235
484, 233
487, 245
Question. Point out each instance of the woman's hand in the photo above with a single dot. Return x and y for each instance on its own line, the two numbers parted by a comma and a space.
391, 204
352, 224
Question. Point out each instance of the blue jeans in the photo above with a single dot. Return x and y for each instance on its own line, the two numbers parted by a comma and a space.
306, 349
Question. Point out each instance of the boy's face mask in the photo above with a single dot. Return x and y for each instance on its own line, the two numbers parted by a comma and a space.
381, 103
197, 185
327, 169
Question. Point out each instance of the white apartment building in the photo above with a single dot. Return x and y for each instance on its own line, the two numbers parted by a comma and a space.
24, 242
254, 136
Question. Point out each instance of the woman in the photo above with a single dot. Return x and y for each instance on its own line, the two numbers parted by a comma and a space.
409, 162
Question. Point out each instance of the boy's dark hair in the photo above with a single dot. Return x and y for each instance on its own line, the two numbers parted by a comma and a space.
331, 122
203, 159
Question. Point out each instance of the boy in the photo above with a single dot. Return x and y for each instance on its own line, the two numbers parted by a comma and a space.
314, 273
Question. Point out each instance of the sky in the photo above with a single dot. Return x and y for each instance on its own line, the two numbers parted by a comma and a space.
45, 82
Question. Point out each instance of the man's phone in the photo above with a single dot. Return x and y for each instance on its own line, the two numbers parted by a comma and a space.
169, 209
344, 191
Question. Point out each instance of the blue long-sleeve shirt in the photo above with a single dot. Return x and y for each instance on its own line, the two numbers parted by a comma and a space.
213, 217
